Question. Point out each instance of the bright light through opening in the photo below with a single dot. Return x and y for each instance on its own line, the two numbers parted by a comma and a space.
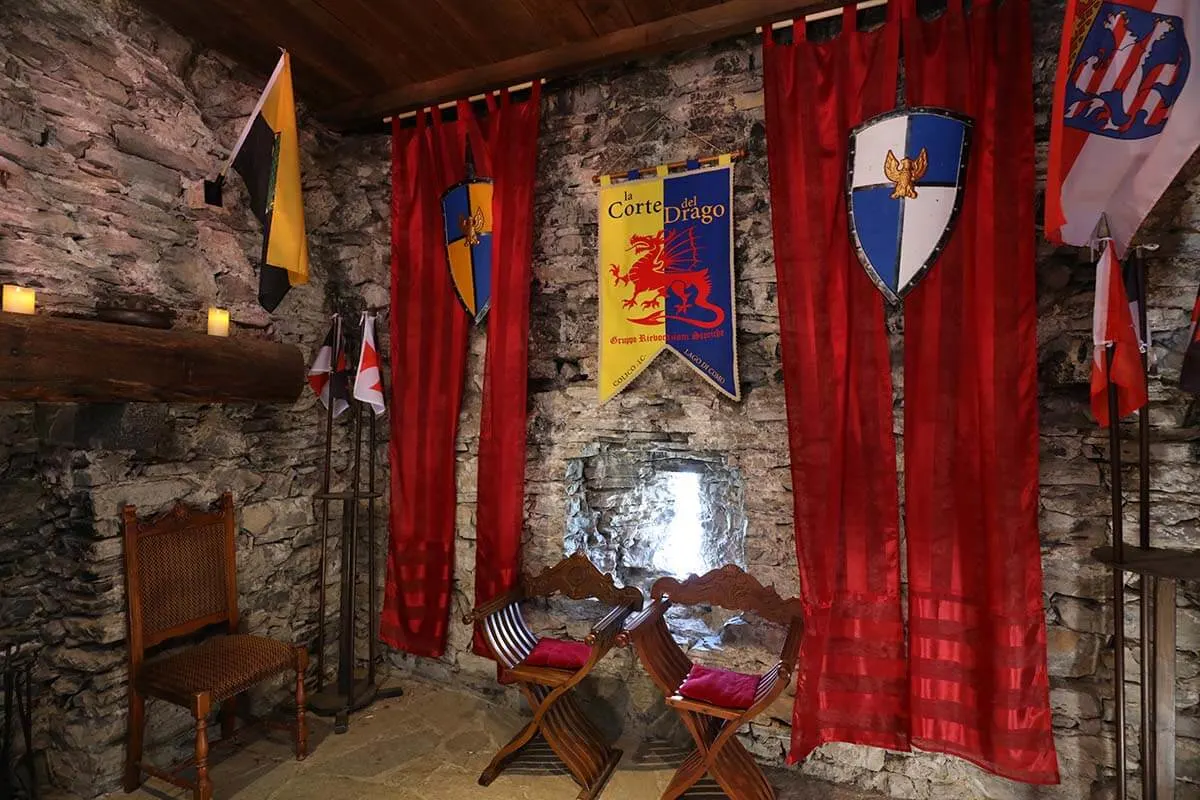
681, 553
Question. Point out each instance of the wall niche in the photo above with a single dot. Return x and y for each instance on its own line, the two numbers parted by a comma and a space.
646, 510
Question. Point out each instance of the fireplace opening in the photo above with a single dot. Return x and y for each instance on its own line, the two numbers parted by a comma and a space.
649, 511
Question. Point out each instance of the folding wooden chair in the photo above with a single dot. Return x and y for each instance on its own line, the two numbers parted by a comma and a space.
181, 579
546, 670
715, 703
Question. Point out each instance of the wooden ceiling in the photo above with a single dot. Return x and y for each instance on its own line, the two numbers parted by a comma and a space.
355, 61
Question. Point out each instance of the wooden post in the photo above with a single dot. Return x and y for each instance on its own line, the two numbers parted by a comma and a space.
204, 787
301, 706
1164, 684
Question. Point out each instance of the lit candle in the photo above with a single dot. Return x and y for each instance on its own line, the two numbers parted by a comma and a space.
18, 300
218, 322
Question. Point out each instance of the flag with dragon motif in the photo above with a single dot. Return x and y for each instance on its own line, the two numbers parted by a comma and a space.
666, 275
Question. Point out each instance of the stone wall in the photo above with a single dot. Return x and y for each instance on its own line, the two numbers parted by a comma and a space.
107, 119
710, 100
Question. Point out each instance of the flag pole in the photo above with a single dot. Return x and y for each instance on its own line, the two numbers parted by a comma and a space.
337, 339
212, 189
262, 99
1149, 692
371, 580
350, 569
1114, 460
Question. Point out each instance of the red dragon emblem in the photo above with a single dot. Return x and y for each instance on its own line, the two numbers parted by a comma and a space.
667, 269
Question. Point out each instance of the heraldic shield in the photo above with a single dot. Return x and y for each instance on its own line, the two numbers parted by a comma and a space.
905, 173
467, 221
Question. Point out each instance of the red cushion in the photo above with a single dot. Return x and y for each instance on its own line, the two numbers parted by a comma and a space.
559, 654
719, 687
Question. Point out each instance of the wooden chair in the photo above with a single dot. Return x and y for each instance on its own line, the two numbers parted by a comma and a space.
546, 670
180, 578
715, 703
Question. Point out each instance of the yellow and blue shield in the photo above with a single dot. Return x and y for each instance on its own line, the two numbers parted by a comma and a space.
467, 221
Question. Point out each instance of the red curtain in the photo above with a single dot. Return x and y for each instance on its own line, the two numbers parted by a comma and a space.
977, 636
837, 379
500, 513
429, 335
429, 347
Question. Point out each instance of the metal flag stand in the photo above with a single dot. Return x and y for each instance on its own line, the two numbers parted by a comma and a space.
18, 775
354, 689
1159, 570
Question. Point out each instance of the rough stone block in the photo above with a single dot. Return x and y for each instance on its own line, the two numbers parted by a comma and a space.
1072, 654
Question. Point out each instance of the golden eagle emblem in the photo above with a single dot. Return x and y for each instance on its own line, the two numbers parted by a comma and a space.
905, 172
472, 226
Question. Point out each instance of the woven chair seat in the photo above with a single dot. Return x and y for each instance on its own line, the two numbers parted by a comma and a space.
223, 666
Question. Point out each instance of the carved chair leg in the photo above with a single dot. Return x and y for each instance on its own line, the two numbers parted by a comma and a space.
505, 754
730, 765
133, 741
570, 734
534, 695
580, 746
301, 706
693, 768
204, 787
228, 717
688, 775
736, 771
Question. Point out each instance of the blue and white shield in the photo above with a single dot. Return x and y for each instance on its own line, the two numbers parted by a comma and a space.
905, 173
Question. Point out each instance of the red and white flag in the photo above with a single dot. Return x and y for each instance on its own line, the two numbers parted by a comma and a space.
1126, 114
368, 383
1189, 379
323, 379
1112, 324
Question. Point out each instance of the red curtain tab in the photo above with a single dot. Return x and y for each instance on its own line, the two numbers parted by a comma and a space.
500, 513
837, 380
429, 345
977, 636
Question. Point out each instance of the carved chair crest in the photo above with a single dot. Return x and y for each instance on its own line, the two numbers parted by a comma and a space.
731, 588
578, 578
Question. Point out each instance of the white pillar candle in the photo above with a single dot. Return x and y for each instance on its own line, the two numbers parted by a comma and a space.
218, 322
18, 300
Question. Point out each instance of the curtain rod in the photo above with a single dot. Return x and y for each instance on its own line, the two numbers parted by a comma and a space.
473, 98
736, 155
827, 14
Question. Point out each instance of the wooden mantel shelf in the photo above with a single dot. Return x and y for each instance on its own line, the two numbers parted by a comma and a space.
59, 360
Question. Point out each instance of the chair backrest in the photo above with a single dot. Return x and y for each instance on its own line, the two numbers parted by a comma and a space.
578, 578
732, 588
180, 573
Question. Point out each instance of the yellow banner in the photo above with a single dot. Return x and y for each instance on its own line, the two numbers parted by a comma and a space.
666, 277
627, 211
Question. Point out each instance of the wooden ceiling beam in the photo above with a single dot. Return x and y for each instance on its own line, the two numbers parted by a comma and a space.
679, 32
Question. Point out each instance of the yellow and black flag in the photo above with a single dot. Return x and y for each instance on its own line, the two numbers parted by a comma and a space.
267, 156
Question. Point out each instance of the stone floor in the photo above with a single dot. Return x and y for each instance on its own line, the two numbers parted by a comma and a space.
431, 744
